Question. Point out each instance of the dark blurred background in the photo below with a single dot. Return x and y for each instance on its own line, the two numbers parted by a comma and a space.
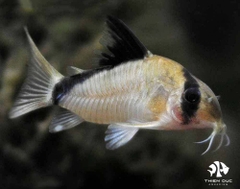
204, 36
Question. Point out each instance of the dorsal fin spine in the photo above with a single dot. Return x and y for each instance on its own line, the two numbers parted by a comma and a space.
122, 44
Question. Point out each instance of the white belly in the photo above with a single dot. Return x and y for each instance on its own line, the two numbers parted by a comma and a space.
116, 95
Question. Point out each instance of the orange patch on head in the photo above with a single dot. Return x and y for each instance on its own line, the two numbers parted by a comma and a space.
168, 72
204, 113
209, 111
157, 105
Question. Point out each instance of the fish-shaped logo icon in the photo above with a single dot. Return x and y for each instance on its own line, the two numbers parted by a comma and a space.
217, 168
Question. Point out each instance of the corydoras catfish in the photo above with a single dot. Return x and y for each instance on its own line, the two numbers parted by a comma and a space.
132, 89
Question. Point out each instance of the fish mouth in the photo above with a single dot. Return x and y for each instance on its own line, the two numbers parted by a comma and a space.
220, 129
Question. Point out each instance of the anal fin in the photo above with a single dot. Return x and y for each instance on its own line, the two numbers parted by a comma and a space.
117, 136
63, 120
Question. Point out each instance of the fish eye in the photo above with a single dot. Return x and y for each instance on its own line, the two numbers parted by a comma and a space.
192, 95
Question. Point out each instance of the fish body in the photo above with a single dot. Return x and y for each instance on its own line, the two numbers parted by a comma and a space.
133, 89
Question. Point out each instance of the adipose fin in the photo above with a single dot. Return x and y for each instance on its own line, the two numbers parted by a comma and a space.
74, 71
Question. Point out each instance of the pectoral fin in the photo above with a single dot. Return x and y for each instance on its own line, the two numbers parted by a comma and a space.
117, 135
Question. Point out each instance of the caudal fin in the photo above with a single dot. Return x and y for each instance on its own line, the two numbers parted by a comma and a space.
36, 91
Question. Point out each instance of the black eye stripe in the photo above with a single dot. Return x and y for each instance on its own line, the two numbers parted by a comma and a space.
190, 106
192, 95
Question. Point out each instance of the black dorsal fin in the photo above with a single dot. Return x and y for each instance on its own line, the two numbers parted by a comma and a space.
122, 44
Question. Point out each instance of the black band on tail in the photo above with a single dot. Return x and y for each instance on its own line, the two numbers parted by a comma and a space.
67, 83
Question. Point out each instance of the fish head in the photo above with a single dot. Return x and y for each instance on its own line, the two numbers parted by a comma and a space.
209, 115
209, 111
195, 106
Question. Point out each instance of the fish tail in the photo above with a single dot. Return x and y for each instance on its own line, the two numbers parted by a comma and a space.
37, 89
